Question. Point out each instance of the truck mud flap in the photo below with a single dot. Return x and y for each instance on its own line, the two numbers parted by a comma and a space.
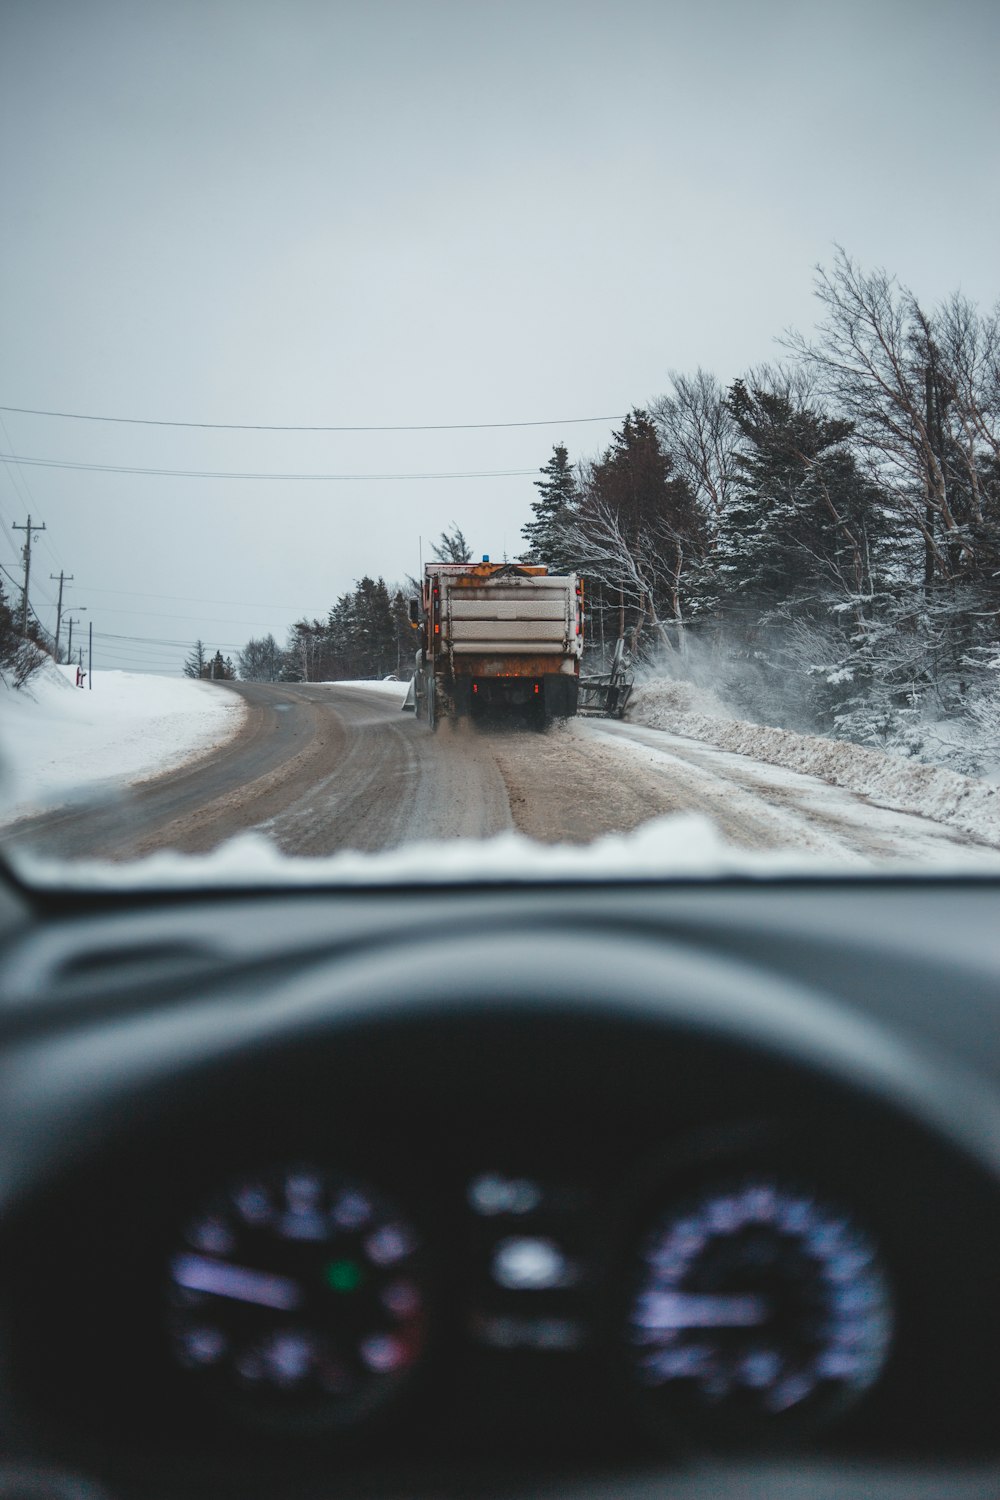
560, 695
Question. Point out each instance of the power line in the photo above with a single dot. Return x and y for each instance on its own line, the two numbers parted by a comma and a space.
39, 588
27, 498
122, 643
117, 653
153, 648
77, 416
5, 528
151, 640
153, 614
53, 552
55, 463
24, 485
192, 599
148, 640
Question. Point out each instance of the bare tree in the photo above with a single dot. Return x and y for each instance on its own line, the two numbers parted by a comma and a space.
260, 660
641, 568
877, 358
968, 345
696, 427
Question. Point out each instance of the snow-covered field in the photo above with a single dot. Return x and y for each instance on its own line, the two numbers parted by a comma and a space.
59, 742
890, 781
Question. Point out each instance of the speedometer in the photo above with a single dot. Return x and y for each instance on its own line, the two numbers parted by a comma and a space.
298, 1295
758, 1307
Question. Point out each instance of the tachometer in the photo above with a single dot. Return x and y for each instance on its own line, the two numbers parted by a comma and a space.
758, 1307
298, 1295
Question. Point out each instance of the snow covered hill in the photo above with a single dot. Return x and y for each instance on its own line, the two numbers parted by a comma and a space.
58, 742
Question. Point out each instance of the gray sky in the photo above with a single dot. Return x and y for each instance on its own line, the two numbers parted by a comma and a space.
403, 212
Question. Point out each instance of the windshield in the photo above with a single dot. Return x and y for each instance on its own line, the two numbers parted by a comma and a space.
533, 440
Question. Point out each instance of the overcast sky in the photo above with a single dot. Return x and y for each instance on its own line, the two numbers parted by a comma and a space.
400, 212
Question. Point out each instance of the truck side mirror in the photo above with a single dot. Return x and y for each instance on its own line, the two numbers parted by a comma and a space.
414, 611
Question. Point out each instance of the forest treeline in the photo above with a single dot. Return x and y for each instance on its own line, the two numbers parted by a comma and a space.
366, 634
819, 540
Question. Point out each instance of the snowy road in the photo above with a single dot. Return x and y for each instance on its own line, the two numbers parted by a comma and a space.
322, 768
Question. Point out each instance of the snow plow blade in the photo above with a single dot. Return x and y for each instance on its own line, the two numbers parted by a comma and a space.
605, 697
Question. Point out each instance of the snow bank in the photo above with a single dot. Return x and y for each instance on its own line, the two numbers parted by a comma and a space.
903, 785
390, 687
58, 743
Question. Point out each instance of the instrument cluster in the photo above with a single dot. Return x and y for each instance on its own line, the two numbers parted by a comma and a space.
735, 1302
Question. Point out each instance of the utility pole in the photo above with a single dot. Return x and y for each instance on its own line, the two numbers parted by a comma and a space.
71, 622
26, 554
63, 578
90, 654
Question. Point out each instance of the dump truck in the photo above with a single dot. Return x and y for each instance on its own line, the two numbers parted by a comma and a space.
497, 637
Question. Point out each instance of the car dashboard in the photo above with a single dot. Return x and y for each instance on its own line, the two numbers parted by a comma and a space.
583, 1191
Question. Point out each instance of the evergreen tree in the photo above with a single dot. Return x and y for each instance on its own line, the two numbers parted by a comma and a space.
11, 644
194, 662
374, 629
553, 511
218, 669
452, 548
803, 517
361, 633
635, 480
8, 631
404, 636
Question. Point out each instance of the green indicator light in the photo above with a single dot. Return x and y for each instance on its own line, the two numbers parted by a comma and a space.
344, 1275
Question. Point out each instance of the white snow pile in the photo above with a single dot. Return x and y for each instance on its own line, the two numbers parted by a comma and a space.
58, 743
682, 847
903, 785
389, 686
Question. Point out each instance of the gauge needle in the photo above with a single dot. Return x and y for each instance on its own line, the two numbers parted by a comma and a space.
199, 1273
665, 1310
